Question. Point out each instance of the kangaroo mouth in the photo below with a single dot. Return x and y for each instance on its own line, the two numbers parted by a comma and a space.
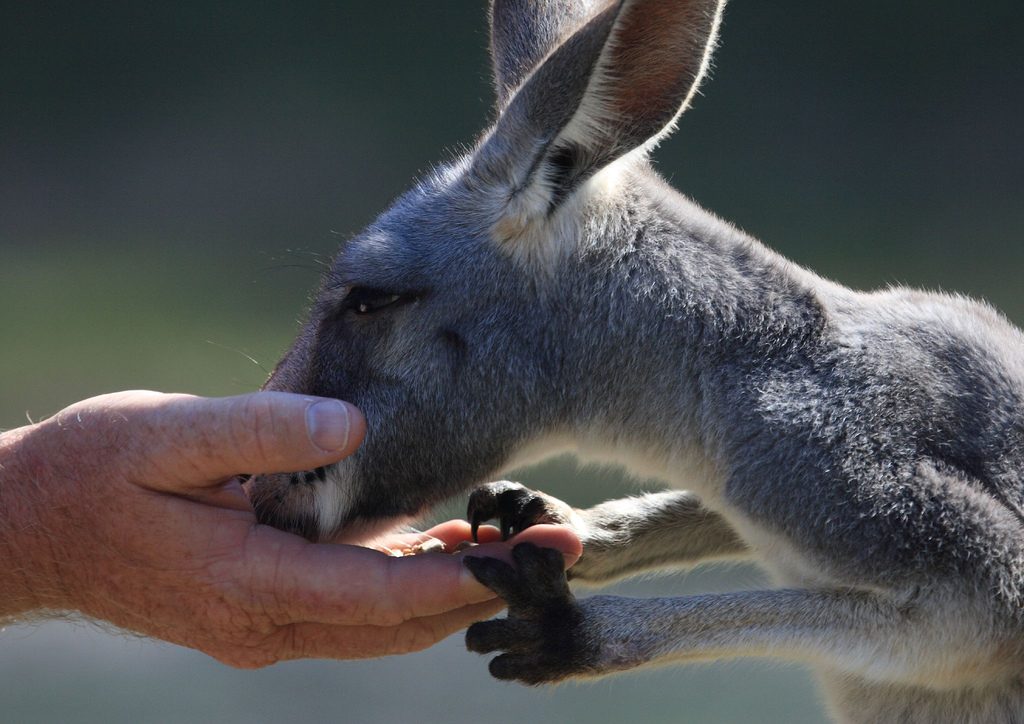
284, 501
320, 506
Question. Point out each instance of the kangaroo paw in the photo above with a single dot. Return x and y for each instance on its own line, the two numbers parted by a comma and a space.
544, 638
515, 508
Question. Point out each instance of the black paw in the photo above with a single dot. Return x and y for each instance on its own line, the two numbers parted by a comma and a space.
543, 639
515, 507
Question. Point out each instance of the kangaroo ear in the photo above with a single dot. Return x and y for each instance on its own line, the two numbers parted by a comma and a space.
614, 86
524, 32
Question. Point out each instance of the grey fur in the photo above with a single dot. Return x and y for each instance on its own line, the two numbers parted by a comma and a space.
523, 32
868, 448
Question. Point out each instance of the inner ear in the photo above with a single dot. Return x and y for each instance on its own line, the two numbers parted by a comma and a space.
565, 169
656, 57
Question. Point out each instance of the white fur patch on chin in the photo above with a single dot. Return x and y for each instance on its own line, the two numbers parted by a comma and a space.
333, 500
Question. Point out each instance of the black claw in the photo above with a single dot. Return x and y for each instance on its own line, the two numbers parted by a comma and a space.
511, 504
475, 519
482, 507
321, 474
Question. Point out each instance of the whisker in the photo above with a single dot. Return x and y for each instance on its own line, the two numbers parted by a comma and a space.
235, 349
279, 267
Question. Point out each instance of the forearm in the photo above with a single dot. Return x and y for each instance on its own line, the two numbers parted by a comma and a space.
16, 597
622, 537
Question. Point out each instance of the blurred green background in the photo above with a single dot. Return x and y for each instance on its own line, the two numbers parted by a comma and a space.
173, 176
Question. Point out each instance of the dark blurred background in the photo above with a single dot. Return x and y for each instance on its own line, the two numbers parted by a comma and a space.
173, 176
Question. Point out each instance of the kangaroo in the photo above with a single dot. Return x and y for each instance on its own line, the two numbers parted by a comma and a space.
548, 291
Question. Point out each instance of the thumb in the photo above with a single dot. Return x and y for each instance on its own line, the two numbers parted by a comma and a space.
181, 441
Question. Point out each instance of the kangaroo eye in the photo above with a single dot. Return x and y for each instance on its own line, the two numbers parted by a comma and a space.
366, 300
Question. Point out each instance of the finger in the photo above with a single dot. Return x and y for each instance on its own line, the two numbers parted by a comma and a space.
454, 532
184, 441
449, 534
297, 581
559, 537
310, 640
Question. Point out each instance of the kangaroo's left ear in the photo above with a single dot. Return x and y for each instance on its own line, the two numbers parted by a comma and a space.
524, 32
614, 86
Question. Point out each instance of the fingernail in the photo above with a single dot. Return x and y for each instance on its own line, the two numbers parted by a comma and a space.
328, 425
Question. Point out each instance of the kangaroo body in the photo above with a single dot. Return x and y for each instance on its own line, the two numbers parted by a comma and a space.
550, 292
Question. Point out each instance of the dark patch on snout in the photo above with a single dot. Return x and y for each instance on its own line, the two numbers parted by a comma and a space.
309, 477
454, 341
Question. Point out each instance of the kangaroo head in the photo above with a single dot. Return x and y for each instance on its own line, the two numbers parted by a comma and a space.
462, 321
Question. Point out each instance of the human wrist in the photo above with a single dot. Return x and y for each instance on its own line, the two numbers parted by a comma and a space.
28, 570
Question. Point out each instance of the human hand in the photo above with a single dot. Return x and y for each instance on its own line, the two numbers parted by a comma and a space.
127, 508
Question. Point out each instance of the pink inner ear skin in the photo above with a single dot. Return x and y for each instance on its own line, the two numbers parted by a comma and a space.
657, 51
